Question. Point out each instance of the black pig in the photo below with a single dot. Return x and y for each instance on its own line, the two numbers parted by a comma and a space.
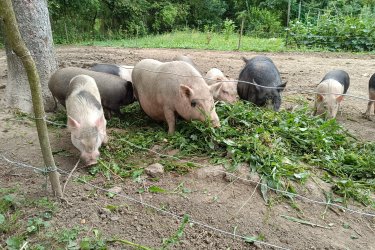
260, 70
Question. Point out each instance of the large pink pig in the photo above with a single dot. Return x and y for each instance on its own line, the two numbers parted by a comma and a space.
166, 90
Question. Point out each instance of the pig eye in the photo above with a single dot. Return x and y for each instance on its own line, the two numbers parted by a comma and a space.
193, 103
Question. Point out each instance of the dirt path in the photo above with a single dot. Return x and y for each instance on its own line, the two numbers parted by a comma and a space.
211, 199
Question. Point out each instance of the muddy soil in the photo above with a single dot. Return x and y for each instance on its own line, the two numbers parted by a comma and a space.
214, 202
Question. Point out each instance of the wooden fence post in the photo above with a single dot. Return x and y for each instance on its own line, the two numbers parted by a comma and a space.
287, 24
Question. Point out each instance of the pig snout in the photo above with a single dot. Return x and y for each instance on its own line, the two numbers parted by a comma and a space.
215, 120
90, 158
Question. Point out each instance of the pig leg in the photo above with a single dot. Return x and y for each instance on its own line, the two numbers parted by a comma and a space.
105, 138
315, 108
171, 120
366, 115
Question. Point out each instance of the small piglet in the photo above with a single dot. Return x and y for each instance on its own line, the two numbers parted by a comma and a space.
221, 88
165, 90
371, 91
329, 92
114, 91
261, 82
122, 71
86, 120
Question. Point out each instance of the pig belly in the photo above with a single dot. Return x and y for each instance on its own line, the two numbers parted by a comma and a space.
153, 109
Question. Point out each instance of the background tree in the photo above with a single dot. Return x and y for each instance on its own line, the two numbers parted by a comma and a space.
35, 29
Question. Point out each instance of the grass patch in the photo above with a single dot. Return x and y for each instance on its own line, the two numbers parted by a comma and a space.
196, 40
23, 219
283, 147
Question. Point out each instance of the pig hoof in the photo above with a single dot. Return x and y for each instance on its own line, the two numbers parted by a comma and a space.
105, 140
366, 116
90, 163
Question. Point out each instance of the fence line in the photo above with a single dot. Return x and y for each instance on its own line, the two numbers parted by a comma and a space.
256, 182
167, 212
261, 86
196, 221
320, 36
191, 220
42, 171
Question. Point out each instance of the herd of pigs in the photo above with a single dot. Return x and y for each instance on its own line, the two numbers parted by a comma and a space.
166, 90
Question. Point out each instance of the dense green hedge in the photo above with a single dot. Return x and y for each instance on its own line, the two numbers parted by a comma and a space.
336, 32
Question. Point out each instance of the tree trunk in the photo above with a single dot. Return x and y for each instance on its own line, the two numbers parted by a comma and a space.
17, 45
35, 28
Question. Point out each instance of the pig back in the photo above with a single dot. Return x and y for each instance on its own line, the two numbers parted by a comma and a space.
186, 59
262, 71
83, 100
157, 84
371, 82
106, 68
114, 91
339, 75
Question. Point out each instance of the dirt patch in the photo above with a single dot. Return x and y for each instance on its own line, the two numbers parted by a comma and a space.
209, 199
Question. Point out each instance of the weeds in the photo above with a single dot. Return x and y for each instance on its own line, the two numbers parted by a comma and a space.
283, 147
15, 227
175, 238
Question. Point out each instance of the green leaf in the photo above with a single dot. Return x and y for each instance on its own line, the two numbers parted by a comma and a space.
85, 244
229, 142
2, 219
301, 175
14, 242
251, 239
156, 189
31, 229
264, 189
112, 208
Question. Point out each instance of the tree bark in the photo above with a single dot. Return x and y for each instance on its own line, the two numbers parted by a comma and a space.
35, 29
17, 45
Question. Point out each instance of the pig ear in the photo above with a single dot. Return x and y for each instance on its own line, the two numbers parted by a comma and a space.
186, 91
215, 88
73, 124
339, 98
319, 97
281, 86
100, 123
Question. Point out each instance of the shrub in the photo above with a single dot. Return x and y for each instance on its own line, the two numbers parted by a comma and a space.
229, 28
336, 33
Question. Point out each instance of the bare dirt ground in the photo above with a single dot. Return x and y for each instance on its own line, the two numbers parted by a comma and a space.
214, 201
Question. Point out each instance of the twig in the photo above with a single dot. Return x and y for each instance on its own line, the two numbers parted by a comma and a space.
251, 196
70, 175
303, 222
135, 245
24, 245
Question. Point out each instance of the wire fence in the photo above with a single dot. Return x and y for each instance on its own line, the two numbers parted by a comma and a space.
193, 220
357, 211
300, 90
158, 209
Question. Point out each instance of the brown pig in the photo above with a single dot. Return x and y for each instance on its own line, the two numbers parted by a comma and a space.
114, 91
165, 90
